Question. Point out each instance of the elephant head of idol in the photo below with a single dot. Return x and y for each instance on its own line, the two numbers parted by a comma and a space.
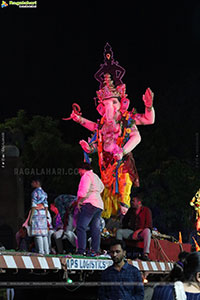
112, 101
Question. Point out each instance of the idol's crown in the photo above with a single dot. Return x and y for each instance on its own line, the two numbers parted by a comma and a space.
109, 90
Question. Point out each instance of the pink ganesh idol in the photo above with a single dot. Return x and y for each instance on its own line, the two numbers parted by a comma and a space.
115, 135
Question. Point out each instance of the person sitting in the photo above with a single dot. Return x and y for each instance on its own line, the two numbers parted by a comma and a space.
137, 225
56, 228
188, 285
69, 236
22, 239
64, 236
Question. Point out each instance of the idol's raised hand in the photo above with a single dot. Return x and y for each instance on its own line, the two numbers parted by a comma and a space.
148, 98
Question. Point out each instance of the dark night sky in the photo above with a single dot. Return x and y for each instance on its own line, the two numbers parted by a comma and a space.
50, 54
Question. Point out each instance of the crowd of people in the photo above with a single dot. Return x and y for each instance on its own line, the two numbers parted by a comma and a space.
124, 281
47, 232
79, 229
183, 282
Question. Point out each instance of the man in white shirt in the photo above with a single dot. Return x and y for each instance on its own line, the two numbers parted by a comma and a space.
90, 205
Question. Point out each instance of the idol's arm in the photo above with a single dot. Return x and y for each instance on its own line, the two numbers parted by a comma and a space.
87, 147
133, 141
149, 116
84, 122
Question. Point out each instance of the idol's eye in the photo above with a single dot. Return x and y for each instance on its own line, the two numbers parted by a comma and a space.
114, 101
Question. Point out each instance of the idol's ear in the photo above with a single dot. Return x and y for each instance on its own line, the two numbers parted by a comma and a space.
101, 109
124, 105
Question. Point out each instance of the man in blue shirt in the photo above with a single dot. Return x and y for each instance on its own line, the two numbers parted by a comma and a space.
121, 281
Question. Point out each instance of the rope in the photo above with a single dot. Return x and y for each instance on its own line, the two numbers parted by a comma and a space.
181, 246
164, 255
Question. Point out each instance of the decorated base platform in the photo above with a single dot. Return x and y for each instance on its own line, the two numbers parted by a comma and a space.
22, 268
32, 261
